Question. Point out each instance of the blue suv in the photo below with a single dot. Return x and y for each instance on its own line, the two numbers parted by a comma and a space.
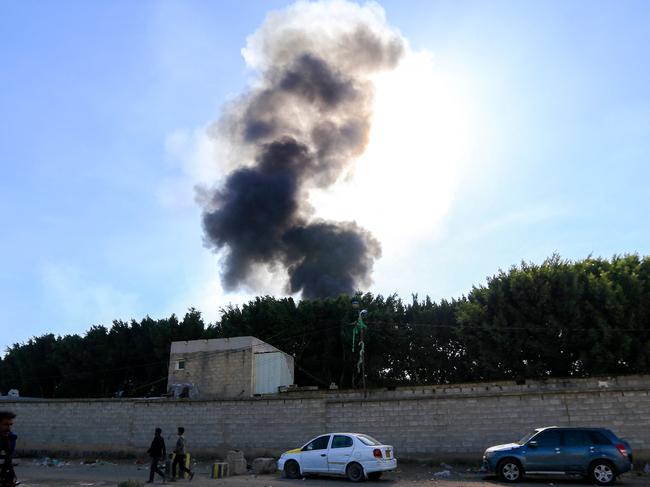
595, 453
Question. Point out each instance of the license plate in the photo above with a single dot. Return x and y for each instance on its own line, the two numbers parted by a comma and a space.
387, 452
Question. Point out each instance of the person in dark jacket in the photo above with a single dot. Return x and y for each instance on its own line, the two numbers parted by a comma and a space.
156, 451
7, 447
179, 457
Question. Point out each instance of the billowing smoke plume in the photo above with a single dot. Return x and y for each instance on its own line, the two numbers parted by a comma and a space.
301, 127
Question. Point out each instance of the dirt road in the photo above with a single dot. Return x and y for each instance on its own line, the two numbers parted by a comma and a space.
77, 474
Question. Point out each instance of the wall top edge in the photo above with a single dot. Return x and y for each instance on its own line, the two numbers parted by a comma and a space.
485, 389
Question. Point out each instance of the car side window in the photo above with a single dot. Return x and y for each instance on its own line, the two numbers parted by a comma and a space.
319, 443
340, 441
597, 438
548, 438
575, 438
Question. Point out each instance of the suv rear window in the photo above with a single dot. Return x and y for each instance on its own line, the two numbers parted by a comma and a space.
597, 438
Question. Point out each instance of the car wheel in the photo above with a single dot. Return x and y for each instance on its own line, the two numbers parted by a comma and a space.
510, 470
292, 469
602, 472
355, 472
374, 475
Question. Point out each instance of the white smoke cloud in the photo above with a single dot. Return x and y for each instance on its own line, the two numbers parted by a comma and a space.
323, 27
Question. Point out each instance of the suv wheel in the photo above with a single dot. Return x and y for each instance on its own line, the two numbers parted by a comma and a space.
602, 473
510, 470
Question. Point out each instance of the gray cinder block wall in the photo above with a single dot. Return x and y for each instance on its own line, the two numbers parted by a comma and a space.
428, 421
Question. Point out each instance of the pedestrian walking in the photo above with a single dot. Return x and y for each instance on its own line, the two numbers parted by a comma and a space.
157, 452
179, 457
7, 447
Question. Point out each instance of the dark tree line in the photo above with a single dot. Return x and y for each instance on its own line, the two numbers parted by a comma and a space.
556, 319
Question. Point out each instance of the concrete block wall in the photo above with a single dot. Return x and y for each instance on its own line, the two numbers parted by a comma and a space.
459, 420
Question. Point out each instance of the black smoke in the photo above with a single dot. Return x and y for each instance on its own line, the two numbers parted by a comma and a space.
304, 124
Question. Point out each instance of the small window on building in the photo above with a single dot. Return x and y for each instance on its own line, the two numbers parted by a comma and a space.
180, 364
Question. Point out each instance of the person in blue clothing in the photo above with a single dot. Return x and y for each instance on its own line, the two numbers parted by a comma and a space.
7, 447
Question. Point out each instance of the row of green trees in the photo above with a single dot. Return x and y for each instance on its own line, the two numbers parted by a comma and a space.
556, 319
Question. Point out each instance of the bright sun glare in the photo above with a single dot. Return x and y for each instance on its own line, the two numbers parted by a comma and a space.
404, 182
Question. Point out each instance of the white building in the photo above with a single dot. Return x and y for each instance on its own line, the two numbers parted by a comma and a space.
229, 367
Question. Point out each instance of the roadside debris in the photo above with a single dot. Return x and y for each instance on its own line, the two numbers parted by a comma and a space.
264, 465
442, 474
236, 462
51, 462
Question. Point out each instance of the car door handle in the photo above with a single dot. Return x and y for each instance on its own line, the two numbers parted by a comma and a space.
323, 454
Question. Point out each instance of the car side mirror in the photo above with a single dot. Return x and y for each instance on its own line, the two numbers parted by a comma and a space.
532, 444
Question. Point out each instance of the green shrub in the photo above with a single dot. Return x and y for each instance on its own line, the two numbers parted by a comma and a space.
130, 483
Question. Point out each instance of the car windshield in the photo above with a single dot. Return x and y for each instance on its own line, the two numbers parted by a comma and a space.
368, 440
525, 439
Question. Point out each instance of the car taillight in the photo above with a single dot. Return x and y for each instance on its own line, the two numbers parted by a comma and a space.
621, 449
376, 453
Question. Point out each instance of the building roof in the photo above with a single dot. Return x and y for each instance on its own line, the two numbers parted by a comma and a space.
222, 344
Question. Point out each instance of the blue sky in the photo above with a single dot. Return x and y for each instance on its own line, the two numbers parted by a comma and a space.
103, 106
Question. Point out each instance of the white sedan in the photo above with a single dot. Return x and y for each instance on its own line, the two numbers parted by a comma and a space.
354, 455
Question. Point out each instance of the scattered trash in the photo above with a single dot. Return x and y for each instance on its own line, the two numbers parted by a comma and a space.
446, 466
185, 390
442, 474
51, 462
646, 469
